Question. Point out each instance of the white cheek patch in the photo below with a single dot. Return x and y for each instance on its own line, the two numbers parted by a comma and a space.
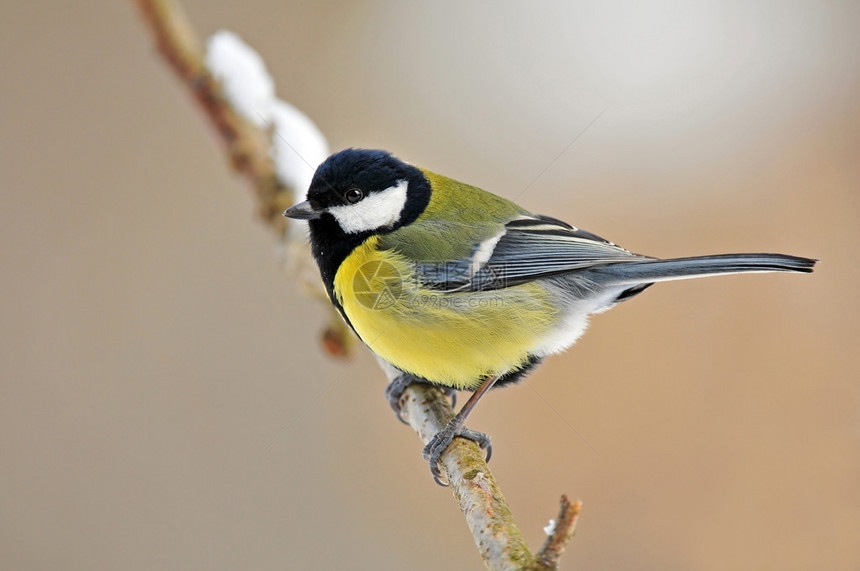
377, 210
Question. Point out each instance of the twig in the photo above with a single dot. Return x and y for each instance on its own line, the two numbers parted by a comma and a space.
246, 145
488, 516
562, 533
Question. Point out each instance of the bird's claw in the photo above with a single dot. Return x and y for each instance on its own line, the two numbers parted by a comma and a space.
437, 446
395, 389
451, 393
394, 392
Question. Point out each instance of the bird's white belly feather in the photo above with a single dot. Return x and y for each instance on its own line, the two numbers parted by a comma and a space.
574, 322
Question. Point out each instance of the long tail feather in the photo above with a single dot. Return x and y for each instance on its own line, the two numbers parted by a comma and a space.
649, 271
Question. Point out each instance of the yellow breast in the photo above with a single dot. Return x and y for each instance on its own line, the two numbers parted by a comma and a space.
453, 339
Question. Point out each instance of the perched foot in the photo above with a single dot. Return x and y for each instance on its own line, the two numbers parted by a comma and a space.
433, 451
395, 389
451, 393
394, 392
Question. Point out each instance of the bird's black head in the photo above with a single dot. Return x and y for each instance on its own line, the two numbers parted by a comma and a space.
354, 194
364, 191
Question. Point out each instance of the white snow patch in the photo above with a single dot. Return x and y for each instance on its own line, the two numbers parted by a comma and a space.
298, 147
243, 76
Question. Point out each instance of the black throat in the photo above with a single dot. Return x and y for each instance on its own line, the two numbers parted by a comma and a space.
330, 245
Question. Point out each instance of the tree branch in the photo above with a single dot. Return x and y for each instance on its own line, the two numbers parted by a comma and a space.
562, 530
488, 516
247, 145
426, 408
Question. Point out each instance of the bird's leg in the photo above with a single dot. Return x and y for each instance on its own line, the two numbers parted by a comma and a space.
457, 427
395, 389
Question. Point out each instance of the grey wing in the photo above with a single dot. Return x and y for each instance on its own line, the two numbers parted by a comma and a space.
527, 248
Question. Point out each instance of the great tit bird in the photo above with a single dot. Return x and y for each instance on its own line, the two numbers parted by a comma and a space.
458, 287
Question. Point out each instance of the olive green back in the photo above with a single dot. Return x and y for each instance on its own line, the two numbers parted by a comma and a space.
458, 217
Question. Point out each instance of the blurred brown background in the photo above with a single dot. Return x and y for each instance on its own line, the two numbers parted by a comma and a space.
164, 403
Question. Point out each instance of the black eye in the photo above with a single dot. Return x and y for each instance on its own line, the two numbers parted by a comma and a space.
353, 195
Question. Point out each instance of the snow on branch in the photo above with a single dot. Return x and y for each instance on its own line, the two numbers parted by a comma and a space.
297, 145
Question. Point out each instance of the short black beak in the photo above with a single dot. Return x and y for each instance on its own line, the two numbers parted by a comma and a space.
303, 211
